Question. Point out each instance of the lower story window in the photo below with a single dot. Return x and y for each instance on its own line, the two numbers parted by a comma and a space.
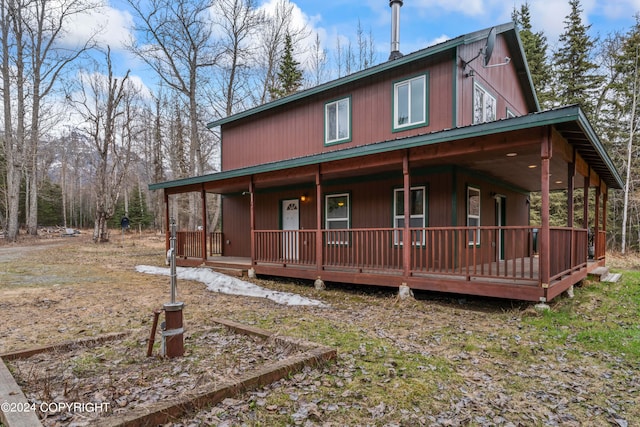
473, 214
418, 217
337, 217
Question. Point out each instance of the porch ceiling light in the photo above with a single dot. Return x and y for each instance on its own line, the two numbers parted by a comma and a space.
533, 166
512, 154
558, 182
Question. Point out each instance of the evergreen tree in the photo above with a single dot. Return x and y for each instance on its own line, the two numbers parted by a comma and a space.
289, 77
577, 81
535, 49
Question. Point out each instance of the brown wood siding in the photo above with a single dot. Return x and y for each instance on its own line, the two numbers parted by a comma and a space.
501, 82
268, 209
236, 226
297, 130
516, 211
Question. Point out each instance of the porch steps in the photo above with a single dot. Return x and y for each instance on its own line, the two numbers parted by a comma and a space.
602, 274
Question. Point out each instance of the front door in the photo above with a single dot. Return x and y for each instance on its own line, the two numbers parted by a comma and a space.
290, 227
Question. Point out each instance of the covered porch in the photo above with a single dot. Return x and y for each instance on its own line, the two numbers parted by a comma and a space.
517, 260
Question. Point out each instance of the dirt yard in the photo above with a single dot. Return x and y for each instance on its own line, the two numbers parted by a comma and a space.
438, 360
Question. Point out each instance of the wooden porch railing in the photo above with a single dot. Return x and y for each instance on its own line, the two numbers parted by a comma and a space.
569, 250
491, 252
505, 253
288, 247
371, 249
189, 244
215, 243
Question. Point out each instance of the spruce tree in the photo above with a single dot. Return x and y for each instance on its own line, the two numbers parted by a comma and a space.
577, 81
535, 49
289, 77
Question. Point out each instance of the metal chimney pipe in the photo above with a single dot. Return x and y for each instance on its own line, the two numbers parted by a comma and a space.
395, 29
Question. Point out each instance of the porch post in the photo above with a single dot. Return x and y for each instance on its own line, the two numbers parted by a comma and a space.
570, 207
203, 238
596, 224
319, 254
252, 220
585, 207
571, 173
167, 244
545, 256
406, 246
605, 193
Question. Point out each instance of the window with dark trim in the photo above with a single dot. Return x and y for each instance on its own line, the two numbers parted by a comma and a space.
410, 103
337, 217
337, 121
473, 214
418, 216
484, 105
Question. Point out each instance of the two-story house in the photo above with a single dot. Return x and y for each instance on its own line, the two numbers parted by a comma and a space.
417, 171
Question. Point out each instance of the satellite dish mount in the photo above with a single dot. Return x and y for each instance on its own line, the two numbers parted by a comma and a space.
486, 53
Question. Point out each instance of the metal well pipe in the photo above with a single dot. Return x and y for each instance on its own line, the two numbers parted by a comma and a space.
172, 250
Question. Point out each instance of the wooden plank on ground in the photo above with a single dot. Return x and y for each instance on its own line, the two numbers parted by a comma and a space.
15, 410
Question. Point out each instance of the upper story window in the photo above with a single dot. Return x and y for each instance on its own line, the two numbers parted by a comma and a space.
410, 103
484, 105
337, 121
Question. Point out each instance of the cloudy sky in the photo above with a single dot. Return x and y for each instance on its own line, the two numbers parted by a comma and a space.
423, 22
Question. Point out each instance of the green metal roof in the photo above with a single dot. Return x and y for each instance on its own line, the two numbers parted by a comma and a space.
569, 121
509, 30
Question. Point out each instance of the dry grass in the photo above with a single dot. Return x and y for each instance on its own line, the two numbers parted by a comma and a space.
437, 360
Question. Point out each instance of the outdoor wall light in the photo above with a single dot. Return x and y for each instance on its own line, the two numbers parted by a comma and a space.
304, 198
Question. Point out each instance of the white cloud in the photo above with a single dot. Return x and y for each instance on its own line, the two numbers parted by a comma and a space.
108, 25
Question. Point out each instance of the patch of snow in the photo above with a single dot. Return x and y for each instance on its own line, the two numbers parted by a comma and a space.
218, 282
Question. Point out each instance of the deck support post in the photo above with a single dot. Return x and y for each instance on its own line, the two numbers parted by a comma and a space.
585, 204
252, 220
545, 256
167, 244
203, 237
406, 247
319, 257
596, 224
571, 173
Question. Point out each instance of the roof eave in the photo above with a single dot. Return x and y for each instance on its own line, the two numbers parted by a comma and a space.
420, 54
546, 118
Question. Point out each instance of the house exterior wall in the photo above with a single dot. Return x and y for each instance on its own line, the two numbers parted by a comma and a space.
500, 81
236, 226
371, 200
297, 130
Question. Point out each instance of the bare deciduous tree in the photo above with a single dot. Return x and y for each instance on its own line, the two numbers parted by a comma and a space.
176, 42
106, 104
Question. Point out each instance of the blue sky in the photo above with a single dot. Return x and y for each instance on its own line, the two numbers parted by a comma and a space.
422, 22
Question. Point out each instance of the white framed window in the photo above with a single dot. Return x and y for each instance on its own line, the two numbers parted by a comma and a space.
473, 214
337, 121
484, 105
410, 103
418, 216
337, 212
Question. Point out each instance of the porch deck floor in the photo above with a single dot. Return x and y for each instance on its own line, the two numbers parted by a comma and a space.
524, 271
